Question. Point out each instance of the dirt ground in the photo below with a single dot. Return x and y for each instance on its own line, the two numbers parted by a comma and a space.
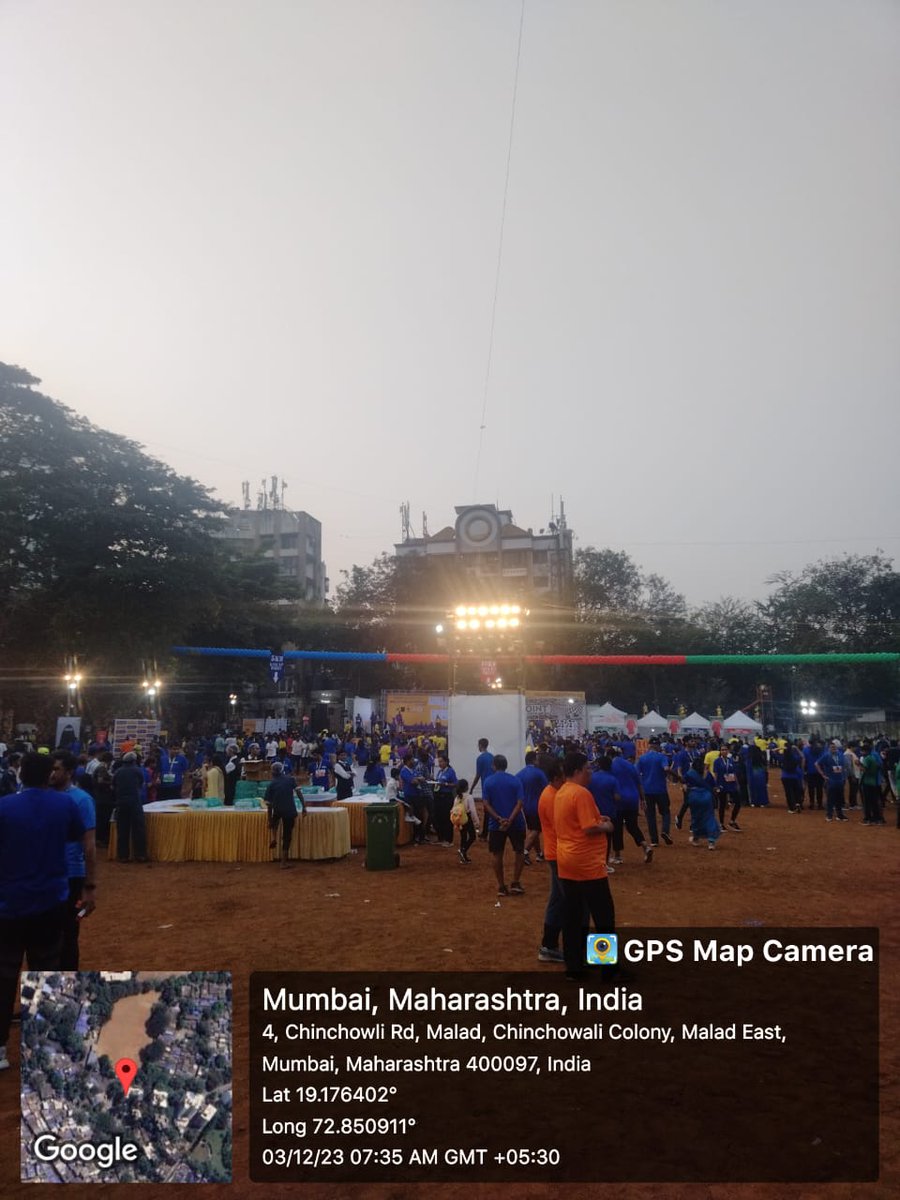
782, 870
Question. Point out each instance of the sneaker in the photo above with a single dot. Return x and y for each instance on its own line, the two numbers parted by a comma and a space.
527, 859
516, 889
734, 825
829, 818
654, 845
545, 954
711, 846
843, 818
4, 1061
793, 811
539, 857
694, 841
502, 890
678, 822
648, 854
618, 861
462, 857
667, 839
610, 870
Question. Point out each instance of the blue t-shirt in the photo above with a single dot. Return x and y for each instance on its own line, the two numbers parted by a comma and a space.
725, 773
75, 864
810, 757
319, 777
652, 770
603, 788
35, 826
408, 776
682, 762
484, 767
833, 768
627, 782
533, 782
503, 792
447, 777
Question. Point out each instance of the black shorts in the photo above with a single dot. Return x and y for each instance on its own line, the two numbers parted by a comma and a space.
497, 839
533, 822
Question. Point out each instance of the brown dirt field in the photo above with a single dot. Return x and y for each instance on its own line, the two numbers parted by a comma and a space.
780, 871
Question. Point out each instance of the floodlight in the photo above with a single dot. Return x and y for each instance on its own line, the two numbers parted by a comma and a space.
476, 624
502, 623
460, 610
438, 629
462, 624
514, 621
489, 623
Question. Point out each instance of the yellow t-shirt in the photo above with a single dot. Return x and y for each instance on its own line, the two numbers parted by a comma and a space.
384, 754
709, 758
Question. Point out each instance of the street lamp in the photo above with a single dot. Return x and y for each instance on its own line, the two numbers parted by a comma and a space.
152, 688
72, 680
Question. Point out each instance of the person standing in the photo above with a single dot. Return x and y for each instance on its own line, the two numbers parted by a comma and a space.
870, 781
581, 849
214, 778
792, 776
81, 857
555, 912
853, 771
464, 816
727, 788
503, 803
232, 774
444, 796
812, 752
702, 801
533, 782
652, 768
830, 767
36, 826
484, 768
282, 808
343, 778
128, 783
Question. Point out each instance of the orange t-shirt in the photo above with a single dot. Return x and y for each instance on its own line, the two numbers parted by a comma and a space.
545, 813
578, 855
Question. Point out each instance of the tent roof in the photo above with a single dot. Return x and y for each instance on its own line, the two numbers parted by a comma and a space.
695, 721
610, 710
740, 720
653, 720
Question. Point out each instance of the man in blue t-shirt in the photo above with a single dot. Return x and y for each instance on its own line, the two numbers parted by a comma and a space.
653, 767
832, 770
533, 782
35, 825
81, 857
484, 768
503, 803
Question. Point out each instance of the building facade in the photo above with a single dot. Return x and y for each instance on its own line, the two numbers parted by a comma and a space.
492, 557
292, 539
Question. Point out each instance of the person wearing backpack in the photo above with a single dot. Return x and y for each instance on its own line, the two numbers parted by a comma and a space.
464, 817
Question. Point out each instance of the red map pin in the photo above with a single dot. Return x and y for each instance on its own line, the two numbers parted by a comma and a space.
126, 1069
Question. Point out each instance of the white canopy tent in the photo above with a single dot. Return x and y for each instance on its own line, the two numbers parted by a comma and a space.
739, 722
651, 723
695, 723
605, 716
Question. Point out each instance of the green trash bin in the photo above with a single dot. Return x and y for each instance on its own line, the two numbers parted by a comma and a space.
381, 837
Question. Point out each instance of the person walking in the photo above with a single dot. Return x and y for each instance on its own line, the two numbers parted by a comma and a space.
464, 817
792, 777
533, 782
628, 785
554, 913
653, 767
870, 782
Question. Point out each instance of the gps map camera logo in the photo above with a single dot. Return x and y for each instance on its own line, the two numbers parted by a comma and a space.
602, 949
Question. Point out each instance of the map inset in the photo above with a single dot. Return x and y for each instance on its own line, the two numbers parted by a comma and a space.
126, 1077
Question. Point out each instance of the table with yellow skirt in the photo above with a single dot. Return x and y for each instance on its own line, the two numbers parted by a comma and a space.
178, 833
356, 810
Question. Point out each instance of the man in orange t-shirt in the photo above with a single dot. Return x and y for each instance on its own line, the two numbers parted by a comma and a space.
553, 917
581, 848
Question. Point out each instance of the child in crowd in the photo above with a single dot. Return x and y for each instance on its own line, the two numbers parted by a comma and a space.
392, 793
464, 818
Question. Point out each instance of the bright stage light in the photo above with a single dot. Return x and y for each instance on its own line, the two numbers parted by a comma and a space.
502, 623
514, 621
460, 610
515, 609
476, 624
472, 610
495, 608
462, 624
504, 608
438, 629
489, 623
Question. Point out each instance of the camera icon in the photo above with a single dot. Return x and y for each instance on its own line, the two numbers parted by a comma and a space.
602, 949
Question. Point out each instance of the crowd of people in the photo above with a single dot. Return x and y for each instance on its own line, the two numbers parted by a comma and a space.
570, 806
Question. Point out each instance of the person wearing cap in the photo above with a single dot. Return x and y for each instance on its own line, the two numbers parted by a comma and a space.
830, 766
128, 785
280, 802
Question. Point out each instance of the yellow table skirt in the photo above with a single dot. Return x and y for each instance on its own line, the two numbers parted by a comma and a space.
230, 835
359, 827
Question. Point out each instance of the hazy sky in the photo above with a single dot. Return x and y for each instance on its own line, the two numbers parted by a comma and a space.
262, 238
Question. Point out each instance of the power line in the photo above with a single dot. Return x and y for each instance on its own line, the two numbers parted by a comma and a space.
487, 376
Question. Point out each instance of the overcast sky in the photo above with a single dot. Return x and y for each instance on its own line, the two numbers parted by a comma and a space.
262, 238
